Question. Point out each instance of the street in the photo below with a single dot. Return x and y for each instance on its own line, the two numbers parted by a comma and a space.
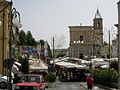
72, 86
67, 86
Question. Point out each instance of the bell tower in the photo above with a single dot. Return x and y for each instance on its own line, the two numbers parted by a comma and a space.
97, 34
98, 26
97, 21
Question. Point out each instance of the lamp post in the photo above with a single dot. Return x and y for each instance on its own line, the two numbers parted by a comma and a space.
53, 54
12, 20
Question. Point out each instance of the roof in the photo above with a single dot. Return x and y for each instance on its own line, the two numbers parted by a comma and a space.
97, 14
80, 26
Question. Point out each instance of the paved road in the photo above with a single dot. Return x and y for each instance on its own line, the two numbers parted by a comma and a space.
67, 86
72, 86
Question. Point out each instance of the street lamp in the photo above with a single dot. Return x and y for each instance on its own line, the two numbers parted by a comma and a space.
6, 8
12, 20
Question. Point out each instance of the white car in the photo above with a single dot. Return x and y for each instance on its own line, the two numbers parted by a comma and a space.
3, 82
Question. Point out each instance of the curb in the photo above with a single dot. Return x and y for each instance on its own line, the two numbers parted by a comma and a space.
108, 88
83, 85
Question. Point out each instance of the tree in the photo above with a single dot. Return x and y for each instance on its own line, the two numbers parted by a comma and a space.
49, 51
25, 66
30, 39
59, 41
41, 42
22, 38
25, 39
114, 64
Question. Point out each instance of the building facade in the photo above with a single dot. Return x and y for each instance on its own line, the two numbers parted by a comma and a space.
86, 41
4, 35
115, 48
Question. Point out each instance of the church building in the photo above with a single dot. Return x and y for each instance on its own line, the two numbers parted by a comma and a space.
86, 41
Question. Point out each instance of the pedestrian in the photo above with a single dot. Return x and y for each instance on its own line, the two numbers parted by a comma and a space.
89, 81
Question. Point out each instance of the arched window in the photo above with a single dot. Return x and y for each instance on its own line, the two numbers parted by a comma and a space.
81, 37
98, 25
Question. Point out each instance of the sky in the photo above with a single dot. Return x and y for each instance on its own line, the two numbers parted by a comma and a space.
51, 18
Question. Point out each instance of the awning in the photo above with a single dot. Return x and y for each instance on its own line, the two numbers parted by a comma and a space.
15, 69
38, 66
17, 63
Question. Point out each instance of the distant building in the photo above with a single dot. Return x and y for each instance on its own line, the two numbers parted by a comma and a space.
115, 48
86, 41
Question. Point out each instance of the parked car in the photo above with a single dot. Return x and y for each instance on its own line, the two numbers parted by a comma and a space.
3, 82
30, 82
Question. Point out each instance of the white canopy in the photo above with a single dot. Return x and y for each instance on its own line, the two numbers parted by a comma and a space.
64, 63
98, 59
59, 60
17, 63
39, 65
104, 66
81, 66
15, 69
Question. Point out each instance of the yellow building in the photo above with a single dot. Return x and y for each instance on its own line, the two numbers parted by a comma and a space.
4, 5
86, 41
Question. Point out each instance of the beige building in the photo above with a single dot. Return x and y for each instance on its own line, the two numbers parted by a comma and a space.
86, 41
4, 48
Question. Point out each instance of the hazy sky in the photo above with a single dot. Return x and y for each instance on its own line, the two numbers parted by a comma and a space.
47, 18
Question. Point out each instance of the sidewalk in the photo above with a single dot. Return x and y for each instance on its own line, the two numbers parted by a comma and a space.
53, 84
83, 84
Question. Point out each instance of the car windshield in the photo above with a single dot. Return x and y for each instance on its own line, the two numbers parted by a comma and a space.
26, 88
30, 78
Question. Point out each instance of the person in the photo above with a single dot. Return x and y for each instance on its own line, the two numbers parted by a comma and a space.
89, 81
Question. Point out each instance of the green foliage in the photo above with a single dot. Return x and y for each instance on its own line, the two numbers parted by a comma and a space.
106, 77
41, 42
26, 39
24, 66
18, 57
22, 38
61, 54
51, 77
30, 39
114, 64
49, 51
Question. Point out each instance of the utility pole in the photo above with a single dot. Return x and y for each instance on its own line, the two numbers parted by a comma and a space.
53, 54
9, 87
109, 50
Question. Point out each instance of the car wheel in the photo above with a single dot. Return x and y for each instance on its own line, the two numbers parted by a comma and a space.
3, 85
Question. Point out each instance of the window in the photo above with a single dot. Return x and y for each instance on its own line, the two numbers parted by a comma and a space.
81, 55
81, 37
98, 25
